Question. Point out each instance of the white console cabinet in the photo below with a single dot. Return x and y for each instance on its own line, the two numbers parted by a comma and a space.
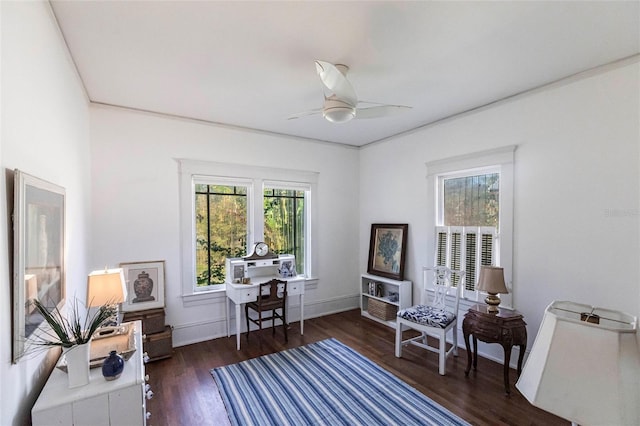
389, 294
101, 402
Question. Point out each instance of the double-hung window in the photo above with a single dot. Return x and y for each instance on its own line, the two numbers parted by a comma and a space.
285, 219
473, 223
225, 209
467, 225
221, 223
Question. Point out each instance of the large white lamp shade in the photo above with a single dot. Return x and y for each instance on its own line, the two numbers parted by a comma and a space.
586, 371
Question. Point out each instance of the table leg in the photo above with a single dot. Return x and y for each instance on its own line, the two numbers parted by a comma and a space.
288, 309
507, 358
226, 315
301, 314
466, 344
237, 326
523, 348
475, 352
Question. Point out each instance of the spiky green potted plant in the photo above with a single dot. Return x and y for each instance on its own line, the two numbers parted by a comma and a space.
73, 334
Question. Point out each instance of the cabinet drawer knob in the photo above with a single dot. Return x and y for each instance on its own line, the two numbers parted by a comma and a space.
148, 415
147, 387
149, 394
146, 377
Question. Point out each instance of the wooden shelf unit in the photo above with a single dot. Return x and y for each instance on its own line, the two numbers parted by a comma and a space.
385, 287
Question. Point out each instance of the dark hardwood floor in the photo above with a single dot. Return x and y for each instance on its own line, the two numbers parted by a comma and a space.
186, 393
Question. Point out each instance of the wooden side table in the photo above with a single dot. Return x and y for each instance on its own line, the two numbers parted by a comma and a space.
507, 327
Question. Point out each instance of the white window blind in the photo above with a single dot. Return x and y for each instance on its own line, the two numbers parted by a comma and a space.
466, 248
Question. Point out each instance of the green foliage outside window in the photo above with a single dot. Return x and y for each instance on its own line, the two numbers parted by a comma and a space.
284, 223
221, 229
472, 200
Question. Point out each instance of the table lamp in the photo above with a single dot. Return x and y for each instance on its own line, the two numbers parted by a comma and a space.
492, 281
107, 287
585, 366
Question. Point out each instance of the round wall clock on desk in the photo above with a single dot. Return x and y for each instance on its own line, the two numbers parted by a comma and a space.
261, 251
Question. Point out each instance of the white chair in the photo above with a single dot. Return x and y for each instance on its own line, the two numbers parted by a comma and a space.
435, 316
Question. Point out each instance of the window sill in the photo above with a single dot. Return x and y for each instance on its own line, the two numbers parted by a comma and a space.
311, 283
204, 297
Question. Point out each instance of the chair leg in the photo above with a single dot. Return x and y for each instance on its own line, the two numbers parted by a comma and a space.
273, 322
443, 354
398, 340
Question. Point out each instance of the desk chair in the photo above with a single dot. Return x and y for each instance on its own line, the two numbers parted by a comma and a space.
272, 296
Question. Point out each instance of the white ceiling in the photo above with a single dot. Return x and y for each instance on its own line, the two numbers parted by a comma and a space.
251, 64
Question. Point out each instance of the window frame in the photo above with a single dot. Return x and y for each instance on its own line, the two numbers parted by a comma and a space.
500, 160
194, 171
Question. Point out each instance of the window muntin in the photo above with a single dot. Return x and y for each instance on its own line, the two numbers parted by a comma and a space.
221, 227
284, 222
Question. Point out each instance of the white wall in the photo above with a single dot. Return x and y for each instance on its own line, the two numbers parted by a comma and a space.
136, 214
577, 182
45, 132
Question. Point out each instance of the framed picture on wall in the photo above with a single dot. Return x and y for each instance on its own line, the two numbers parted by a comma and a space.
387, 248
145, 285
38, 256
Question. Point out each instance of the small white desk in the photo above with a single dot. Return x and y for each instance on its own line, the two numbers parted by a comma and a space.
240, 294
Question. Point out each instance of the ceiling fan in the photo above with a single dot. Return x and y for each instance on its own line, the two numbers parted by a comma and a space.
342, 105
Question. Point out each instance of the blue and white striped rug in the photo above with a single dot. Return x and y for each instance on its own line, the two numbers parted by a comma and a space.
323, 383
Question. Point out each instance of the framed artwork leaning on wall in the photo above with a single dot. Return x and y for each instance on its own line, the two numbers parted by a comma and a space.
145, 285
387, 249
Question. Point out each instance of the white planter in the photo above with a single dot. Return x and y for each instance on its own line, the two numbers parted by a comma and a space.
77, 358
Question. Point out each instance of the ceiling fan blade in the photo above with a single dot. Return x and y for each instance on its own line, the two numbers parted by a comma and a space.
381, 111
305, 114
335, 81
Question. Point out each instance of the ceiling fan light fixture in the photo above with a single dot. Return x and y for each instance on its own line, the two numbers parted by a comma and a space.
339, 114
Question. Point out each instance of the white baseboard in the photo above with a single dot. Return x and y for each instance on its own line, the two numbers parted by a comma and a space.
195, 332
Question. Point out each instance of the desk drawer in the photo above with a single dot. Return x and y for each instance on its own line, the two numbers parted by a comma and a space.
248, 295
240, 293
294, 288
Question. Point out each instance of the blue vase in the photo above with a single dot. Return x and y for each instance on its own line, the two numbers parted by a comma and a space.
112, 366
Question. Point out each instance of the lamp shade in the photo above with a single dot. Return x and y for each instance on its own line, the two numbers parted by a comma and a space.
106, 287
492, 280
584, 371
